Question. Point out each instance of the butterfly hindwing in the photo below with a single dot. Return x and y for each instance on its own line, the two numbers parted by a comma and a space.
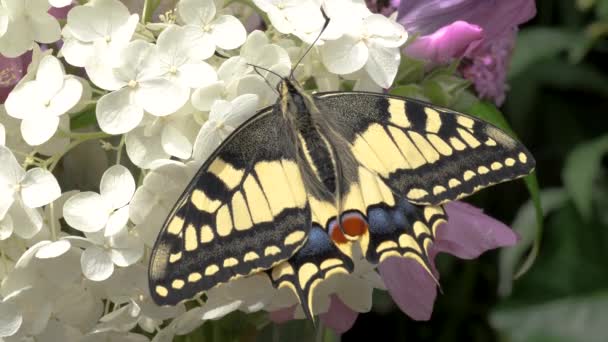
429, 154
245, 211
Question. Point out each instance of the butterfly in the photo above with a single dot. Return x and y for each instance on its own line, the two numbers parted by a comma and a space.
295, 187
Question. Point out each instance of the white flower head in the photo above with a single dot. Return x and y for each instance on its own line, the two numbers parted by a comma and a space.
109, 210
39, 103
224, 118
302, 18
158, 138
21, 192
122, 248
207, 30
25, 22
100, 26
156, 197
140, 85
369, 41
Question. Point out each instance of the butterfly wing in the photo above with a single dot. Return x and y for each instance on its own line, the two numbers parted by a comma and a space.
244, 211
428, 154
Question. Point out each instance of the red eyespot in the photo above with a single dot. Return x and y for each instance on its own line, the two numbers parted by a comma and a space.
353, 224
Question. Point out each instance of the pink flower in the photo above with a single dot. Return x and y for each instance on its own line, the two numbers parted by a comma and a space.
467, 234
484, 34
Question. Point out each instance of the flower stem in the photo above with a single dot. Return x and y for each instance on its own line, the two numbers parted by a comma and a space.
119, 149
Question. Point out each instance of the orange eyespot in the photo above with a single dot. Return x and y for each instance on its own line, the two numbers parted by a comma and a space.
353, 224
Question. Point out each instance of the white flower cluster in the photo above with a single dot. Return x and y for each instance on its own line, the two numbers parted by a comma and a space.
73, 263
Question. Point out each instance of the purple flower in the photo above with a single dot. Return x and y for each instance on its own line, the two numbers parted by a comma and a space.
11, 71
467, 234
441, 40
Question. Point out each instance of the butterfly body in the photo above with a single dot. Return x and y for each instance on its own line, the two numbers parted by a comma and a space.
296, 188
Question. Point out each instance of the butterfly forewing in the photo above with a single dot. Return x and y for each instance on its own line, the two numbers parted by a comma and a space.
428, 154
245, 211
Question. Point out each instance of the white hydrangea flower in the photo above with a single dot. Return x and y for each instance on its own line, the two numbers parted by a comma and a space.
180, 61
123, 249
229, 74
302, 18
22, 192
94, 35
26, 22
109, 210
370, 41
207, 30
156, 197
158, 138
139, 85
60, 3
224, 118
39, 103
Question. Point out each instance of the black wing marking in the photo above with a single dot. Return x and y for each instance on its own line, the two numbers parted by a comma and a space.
428, 154
244, 211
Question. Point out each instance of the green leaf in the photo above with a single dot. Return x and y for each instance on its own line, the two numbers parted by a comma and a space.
410, 70
581, 318
582, 167
584, 5
411, 90
525, 224
491, 114
84, 118
528, 50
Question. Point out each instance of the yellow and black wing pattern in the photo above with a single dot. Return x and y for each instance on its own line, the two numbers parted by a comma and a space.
430, 155
245, 211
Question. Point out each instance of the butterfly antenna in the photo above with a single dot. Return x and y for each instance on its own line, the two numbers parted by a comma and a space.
265, 79
311, 45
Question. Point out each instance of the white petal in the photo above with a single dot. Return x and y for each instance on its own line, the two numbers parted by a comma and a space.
196, 12
27, 221
10, 319
96, 264
144, 150
124, 257
202, 43
228, 32
19, 101
50, 75
100, 67
117, 114
255, 84
67, 97
161, 97
60, 3
39, 129
6, 227
216, 312
196, 75
175, 143
205, 143
344, 55
232, 68
117, 221
117, 186
39, 187
385, 31
203, 98
2, 135
53, 249
243, 107
86, 211
11, 172
45, 28
383, 64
